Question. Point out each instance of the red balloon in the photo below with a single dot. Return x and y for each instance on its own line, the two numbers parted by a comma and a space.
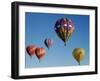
31, 49
40, 52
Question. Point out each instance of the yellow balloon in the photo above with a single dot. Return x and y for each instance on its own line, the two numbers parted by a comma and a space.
78, 54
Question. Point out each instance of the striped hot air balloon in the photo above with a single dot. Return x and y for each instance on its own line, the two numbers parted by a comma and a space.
64, 29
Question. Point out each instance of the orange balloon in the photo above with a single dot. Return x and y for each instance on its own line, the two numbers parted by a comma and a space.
31, 49
40, 52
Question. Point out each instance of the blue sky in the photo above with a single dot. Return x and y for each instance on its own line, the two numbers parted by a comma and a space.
39, 26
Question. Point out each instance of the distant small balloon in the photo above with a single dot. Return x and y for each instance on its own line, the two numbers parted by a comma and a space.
48, 42
31, 50
78, 54
40, 52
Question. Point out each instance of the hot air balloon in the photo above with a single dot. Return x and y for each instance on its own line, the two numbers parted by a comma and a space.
78, 54
40, 52
48, 42
64, 29
31, 49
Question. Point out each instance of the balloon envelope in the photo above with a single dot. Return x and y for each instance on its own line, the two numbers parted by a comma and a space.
78, 54
31, 49
64, 29
40, 52
48, 42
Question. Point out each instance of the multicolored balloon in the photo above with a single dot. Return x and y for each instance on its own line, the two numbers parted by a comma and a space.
40, 52
31, 49
64, 29
78, 54
48, 42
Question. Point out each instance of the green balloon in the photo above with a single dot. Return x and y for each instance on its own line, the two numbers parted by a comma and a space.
78, 54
